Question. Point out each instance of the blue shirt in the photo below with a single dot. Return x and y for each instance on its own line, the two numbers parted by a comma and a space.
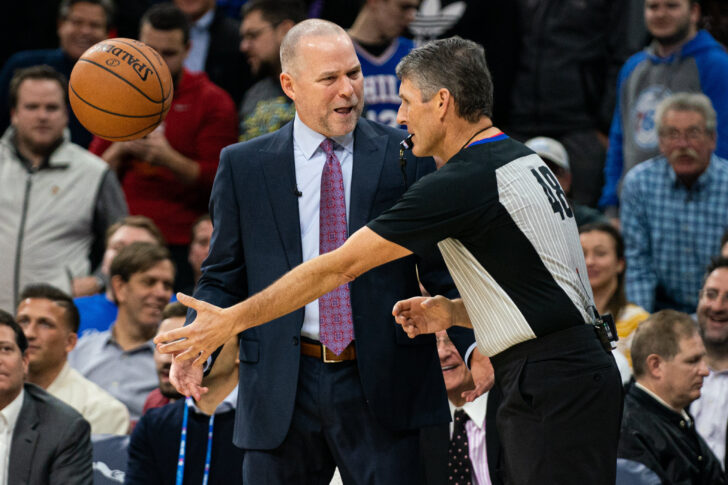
97, 313
200, 39
671, 232
128, 375
309, 160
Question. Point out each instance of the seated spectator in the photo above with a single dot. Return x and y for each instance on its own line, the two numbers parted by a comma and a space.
604, 255
672, 208
711, 409
191, 438
167, 175
214, 49
265, 107
199, 247
49, 320
657, 430
724, 245
466, 449
173, 317
98, 311
121, 359
553, 153
81, 24
56, 199
681, 58
43, 439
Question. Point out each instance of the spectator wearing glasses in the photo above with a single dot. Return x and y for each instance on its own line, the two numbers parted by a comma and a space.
673, 207
265, 107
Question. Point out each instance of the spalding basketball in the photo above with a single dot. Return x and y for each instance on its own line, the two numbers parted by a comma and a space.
120, 89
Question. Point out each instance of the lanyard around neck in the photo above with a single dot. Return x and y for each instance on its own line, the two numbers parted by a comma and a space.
183, 443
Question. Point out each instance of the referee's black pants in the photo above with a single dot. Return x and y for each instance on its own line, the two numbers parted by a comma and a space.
562, 406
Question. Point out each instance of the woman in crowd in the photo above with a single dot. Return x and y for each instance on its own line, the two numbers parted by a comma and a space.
604, 254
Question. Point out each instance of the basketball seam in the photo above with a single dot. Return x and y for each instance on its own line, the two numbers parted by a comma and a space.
122, 78
151, 64
110, 112
108, 137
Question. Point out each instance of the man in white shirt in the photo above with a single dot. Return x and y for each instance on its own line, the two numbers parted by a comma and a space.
40, 436
50, 322
711, 409
440, 445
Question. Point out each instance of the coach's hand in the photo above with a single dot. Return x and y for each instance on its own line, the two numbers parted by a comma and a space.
423, 314
186, 377
196, 341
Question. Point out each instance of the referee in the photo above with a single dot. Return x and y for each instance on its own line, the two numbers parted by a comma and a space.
508, 236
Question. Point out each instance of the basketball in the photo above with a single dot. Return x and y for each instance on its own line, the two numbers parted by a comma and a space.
120, 89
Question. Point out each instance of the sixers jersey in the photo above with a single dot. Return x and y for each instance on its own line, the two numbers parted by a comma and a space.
381, 86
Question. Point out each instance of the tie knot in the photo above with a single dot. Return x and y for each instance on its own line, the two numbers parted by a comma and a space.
461, 415
328, 146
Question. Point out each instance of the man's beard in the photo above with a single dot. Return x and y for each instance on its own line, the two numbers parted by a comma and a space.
268, 69
169, 392
680, 35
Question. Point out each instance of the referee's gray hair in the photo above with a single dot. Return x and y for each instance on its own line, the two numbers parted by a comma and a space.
457, 65
307, 28
697, 102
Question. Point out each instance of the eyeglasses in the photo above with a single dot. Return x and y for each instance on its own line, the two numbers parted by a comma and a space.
251, 35
691, 134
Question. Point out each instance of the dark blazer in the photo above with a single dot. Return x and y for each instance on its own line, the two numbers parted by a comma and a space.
51, 443
257, 239
226, 66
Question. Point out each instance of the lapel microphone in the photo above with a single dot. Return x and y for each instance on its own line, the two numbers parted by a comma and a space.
405, 144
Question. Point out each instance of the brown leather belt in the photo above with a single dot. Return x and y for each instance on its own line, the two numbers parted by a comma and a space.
320, 351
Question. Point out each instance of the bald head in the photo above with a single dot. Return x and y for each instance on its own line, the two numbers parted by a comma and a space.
307, 28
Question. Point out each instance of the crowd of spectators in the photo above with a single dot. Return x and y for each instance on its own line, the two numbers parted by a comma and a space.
624, 101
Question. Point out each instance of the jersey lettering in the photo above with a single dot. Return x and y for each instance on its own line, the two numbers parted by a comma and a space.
554, 192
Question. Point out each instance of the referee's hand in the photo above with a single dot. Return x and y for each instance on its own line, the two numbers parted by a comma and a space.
422, 314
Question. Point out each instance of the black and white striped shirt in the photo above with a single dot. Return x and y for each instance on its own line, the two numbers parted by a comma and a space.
508, 237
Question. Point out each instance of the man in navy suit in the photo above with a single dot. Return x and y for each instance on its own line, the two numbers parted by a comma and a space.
298, 415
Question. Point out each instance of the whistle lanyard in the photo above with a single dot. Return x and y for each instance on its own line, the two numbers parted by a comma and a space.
183, 443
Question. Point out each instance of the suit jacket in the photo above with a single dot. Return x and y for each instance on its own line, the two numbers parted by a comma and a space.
51, 443
226, 66
257, 239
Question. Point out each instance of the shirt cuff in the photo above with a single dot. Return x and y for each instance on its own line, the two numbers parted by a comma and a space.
468, 353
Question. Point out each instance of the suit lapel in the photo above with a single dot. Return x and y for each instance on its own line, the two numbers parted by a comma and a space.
23, 443
280, 177
369, 155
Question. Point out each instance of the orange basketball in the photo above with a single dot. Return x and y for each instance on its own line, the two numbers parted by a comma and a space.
120, 89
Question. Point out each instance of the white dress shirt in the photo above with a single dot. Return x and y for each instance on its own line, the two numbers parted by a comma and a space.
711, 412
200, 40
475, 428
309, 160
105, 413
8, 417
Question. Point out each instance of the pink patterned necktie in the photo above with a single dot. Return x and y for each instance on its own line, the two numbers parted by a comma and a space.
336, 329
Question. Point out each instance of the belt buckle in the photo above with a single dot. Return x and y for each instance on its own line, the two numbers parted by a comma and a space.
323, 356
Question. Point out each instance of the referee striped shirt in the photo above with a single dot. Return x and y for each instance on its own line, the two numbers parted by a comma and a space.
507, 234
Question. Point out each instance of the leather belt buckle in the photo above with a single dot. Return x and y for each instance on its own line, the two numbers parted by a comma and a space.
329, 357
319, 351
